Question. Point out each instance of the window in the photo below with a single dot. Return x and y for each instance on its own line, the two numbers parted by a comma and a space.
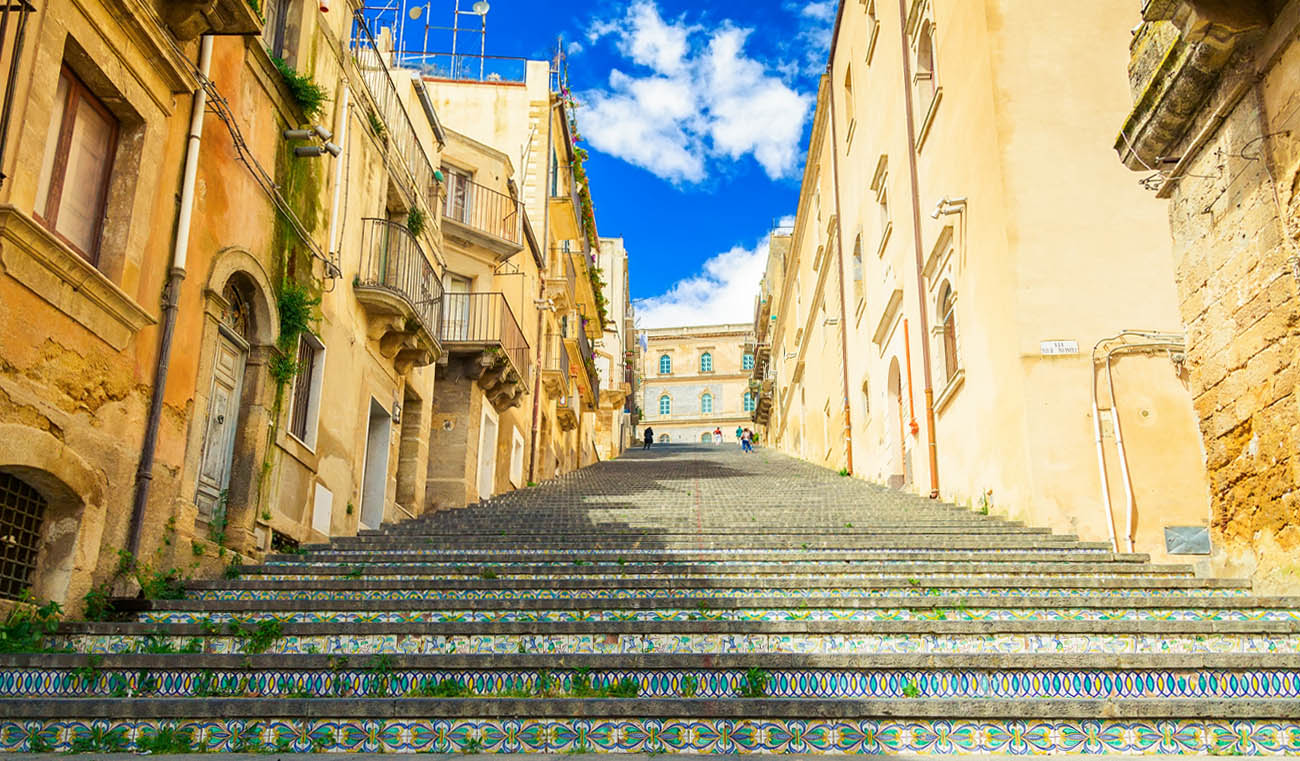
706, 403
924, 77
665, 405
706, 438
73, 185
747, 361
459, 195
880, 185
882, 209
22, 514
663, 439
749, 401
665, 365
706, 362
275, 33
873, 28
866, 398
304, 409
857, 268
948, 318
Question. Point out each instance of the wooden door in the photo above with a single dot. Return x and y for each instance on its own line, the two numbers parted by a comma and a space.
221, 425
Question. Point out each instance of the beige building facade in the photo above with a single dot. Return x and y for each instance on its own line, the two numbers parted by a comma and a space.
614, 364
321, 336
971, 303
1215, 130
694, 381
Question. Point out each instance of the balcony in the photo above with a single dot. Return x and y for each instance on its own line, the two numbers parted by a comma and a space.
401, 294
555, 371
412, 169
565, 414
582, 355
222, 17
481, 324
479, 215
565, 213
561, 282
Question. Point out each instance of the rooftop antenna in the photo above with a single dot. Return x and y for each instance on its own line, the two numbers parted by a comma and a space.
480, 9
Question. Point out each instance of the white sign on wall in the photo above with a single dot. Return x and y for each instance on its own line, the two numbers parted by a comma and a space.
1058, 348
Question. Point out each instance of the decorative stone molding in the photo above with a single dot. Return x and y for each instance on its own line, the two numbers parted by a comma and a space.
32, 255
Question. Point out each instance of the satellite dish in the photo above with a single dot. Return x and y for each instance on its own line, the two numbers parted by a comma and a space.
481, 7
415, 12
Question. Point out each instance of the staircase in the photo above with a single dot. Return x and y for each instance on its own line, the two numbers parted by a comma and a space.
687, 599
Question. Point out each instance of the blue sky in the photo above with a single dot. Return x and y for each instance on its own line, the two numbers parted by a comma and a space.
696, 117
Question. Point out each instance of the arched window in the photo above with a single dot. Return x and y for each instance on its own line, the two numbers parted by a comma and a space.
866, 398
706, 362
663, 439
948, 318
706, 403
925, 78
706, 437
665, 405
749, 401
747, 361
22, 513
665, 365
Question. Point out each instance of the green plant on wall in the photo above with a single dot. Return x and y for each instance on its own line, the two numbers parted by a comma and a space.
309, 96
415, 221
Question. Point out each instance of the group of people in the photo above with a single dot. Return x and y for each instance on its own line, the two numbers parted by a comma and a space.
743, 435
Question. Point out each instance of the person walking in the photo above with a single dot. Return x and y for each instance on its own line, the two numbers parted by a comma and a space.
717, 436
649, 437
747, 440
739, 432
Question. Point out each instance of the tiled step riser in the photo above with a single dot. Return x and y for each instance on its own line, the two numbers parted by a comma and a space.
738, 614
427, 554
689, 735
357, 680
613, 644
840, 578
477, 542
251, 595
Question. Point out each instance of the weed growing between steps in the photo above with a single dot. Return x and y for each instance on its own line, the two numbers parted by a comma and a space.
28, 624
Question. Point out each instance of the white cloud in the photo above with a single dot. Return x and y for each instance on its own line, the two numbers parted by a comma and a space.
696, 97
723, 292
573, 48
816, 23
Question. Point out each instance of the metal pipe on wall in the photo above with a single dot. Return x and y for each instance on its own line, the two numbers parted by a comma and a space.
170, 300
341, 129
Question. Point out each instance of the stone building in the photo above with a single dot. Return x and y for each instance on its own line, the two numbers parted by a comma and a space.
613, 365
995, 325
695, 380
225, 239
1215, 129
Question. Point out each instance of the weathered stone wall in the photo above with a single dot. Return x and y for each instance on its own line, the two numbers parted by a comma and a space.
1237, 234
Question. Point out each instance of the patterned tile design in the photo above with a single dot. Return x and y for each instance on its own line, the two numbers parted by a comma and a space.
713, 683
922, 736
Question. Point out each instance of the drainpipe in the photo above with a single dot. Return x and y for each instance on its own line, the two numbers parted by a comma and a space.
170, 299
839, 262
916, 242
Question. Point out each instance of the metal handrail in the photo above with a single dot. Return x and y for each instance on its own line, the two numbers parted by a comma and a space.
485, 318
482, 208
392, 259
470, 67
401, 132
557, 359
588, 359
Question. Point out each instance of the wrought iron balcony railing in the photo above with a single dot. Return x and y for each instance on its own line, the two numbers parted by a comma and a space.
482, 209
485, 320
394, 265
400, 133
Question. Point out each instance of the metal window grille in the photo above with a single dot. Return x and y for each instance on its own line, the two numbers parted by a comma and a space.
302, 389
22, 511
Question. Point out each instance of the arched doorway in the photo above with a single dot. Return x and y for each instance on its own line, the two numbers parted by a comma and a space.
234, 340
894, 437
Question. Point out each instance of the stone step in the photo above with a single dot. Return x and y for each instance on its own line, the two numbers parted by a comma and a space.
892, 607
918, 541
308, 571
784, 675
699, 557
227, 634
695, 725
744, 538
590, 587
900, 525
